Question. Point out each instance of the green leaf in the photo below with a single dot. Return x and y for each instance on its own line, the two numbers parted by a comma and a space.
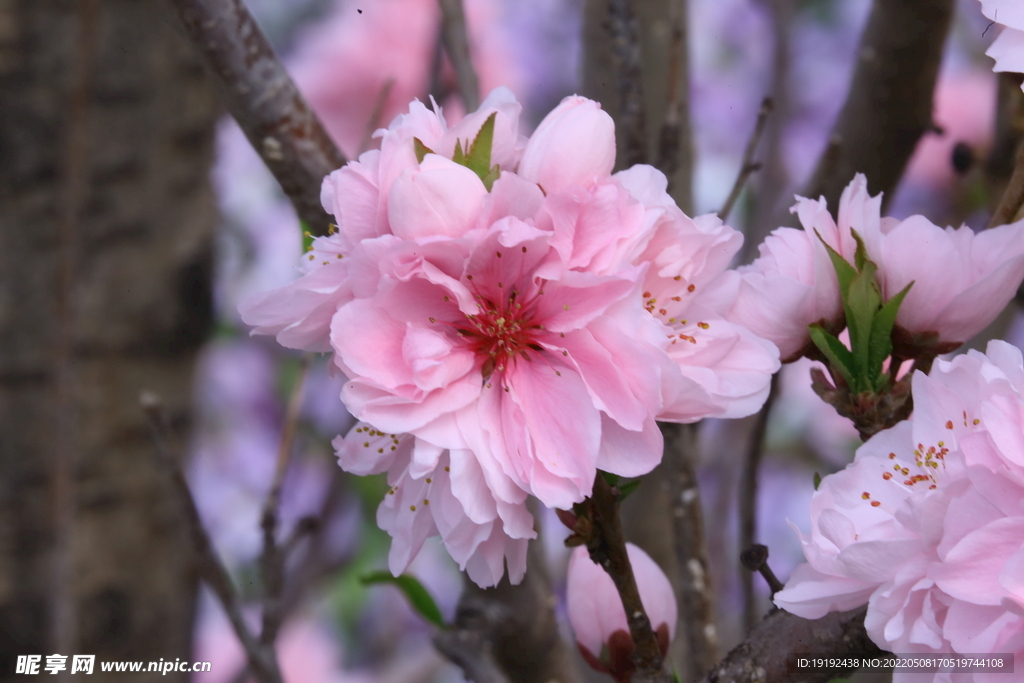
839, 357
478, 154
844, 271
627, 488
491, 176
612, 479
418, 597
422, 150
880, 343
817, 481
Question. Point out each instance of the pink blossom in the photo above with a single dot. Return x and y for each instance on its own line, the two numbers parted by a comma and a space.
926, 526
962, 279
438, 492
598, 617
793, 284
509, 331
1008, 47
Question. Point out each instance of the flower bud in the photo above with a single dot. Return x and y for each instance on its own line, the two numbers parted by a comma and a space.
599, 619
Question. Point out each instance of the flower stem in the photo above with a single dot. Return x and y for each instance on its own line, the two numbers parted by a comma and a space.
607, 547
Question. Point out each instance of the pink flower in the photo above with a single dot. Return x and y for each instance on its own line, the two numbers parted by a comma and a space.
489, 343
437, 492
926, 526
793, 284
1008, 47
500, 328
962, 279
599, 619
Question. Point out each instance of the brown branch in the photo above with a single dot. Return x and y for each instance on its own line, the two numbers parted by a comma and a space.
509, 634
755, 559
273, 557
1013, 198
455, 37
261, 96
262, 658
607, 547
748, 166
696, 598
675, 144
889, 104
762, 657
373, 123
632, 125
748, 501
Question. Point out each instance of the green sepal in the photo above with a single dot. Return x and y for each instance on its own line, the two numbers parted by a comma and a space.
839, 357
880, 343
627, 488
418, 596
844, 271
612, 479
422, 150
476, 156
817, 481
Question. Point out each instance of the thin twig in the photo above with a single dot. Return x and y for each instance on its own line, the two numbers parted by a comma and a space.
262, 659
748, 500
696, 597
632, 122
748, 166
675, 145
607, 547
1013, 198
455, 37
272, 559
261, 96
755, 559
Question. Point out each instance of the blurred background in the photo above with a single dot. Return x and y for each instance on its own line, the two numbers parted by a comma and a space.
134, 217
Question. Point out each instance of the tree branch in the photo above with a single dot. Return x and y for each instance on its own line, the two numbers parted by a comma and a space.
262, 658
629, 77
599, 526
273, 557
455, 37
696, 598
261, 96
762, 657
675, 143
748, 501
748, 166
889, 104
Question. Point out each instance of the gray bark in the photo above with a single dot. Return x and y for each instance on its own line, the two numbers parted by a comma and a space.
105, 263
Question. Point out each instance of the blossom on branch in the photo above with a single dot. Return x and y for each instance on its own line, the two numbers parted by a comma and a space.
506, 308
599, 619
962, 280
926, 525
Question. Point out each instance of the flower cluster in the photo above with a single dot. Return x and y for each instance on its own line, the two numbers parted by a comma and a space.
926, 526
511, 317
962, 280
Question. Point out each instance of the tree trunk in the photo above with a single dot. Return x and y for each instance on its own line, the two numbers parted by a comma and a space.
106, 216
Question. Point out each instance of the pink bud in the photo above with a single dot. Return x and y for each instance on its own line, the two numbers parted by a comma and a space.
597, 615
